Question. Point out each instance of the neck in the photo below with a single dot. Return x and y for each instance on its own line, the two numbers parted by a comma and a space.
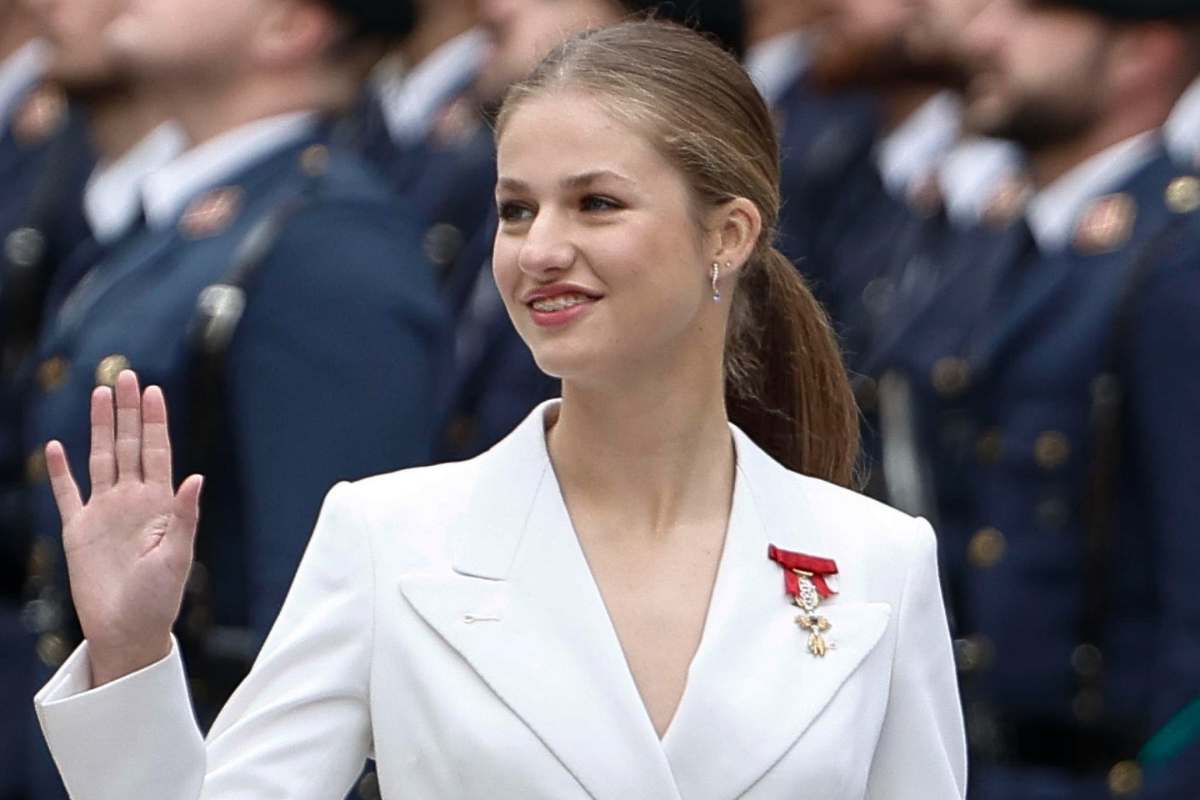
15, 32
903, 101
435, 29
1051, 162
206, 111
775, 19
659, 453
120, 119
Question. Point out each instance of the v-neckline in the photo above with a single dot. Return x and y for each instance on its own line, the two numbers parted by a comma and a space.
716, 593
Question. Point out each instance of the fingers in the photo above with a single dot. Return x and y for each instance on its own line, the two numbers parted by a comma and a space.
156, 442
102, 464
181, 534
129, 427
66, 492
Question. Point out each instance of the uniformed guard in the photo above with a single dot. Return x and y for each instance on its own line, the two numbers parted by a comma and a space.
278, 293
824, 130
496, 381
1055, 405
39, 142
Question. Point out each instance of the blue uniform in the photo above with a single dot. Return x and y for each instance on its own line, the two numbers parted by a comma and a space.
1055, 401
329, 375
44, 159
825, 139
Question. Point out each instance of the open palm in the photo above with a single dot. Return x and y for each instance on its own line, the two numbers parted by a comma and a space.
129, 548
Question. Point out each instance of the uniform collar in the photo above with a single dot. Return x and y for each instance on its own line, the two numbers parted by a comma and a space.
971, 174
1055, 211
167, 192
915, 148
112, 198
410, 101
776, 63
1182, 128
18, 72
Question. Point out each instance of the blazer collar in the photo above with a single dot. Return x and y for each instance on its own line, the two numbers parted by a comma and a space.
522, 608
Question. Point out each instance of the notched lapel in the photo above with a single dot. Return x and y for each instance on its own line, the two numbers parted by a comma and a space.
754, 689
535, 629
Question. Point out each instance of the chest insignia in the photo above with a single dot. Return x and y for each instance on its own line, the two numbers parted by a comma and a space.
806, 578
211, 212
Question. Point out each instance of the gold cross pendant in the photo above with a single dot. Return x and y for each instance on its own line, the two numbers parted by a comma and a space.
817, 627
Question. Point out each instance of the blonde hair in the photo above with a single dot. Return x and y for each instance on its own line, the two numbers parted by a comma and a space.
786, 386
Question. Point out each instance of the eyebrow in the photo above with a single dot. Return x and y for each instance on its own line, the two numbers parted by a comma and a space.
570, 182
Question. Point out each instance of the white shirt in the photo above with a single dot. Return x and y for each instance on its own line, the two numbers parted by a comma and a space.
775, 63
972, 173
1182, 129
1055, 212
17, 73
915, 148
412, 100
167, 191
112, 198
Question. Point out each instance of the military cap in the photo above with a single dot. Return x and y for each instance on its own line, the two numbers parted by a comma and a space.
723, 19
1137, 9
385, 17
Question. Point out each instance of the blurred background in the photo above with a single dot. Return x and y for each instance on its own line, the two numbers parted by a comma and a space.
281, 211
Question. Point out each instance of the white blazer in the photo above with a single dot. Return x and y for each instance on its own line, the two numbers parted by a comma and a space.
444, 621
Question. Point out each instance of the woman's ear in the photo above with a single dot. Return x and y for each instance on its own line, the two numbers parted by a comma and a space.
735, 228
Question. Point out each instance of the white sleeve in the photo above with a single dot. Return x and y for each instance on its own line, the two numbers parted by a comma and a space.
298, 728
921, 752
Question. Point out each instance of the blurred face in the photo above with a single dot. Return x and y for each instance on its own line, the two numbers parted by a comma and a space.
862, 41
599, 256
166, 38
938, 31
522, 32
1040, 72
81, 59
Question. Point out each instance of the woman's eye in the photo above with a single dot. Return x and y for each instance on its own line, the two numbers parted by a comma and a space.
514, 212
597, 203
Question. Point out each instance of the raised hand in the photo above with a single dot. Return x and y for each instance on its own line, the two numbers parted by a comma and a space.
129, 549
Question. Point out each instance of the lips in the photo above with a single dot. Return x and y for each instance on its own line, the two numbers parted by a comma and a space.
558, 304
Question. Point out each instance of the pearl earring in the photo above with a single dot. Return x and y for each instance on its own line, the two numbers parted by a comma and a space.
716, 276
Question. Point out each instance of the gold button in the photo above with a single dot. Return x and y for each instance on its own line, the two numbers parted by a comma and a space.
1051, 450
951, 376
109, 368
1183, 195
315, 160
41, 560
35, 467
52, 373
1125, 779
52, 649
442, 244
1087, 660
974, 653
987, 548
989, 448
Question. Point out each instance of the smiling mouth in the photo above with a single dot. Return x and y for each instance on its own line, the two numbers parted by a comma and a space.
559, 302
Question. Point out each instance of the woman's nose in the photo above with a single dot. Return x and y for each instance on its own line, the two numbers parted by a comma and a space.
547, 247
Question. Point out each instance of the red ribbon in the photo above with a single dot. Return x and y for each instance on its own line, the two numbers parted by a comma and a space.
818, 568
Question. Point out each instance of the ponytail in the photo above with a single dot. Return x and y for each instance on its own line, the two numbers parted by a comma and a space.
786, 386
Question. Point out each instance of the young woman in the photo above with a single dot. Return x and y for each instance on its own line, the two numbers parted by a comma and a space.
629, 597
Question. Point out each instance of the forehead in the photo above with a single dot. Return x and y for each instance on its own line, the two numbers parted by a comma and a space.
562, 133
